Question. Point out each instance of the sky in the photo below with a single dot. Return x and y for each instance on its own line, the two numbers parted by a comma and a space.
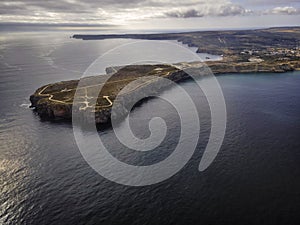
152, 13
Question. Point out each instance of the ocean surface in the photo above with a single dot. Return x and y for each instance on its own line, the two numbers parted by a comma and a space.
44, 179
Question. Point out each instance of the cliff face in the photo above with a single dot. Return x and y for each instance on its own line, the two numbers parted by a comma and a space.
49, 110
47, 106
56, 101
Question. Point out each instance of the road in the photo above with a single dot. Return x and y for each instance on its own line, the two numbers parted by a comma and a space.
86, 97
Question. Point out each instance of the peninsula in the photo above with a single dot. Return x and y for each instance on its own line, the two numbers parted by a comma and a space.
58, 100
274, 50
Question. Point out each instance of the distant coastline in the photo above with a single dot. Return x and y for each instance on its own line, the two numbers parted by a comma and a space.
278, 45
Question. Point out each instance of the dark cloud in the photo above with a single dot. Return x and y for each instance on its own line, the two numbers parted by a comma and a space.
185, 14
12, 9
52, 6
75, 5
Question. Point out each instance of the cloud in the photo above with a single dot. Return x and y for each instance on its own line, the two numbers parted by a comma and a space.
271, 2
226, 9
122, 11
118, 11
287, 10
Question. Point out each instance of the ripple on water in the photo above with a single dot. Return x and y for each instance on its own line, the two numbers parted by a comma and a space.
17, 143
